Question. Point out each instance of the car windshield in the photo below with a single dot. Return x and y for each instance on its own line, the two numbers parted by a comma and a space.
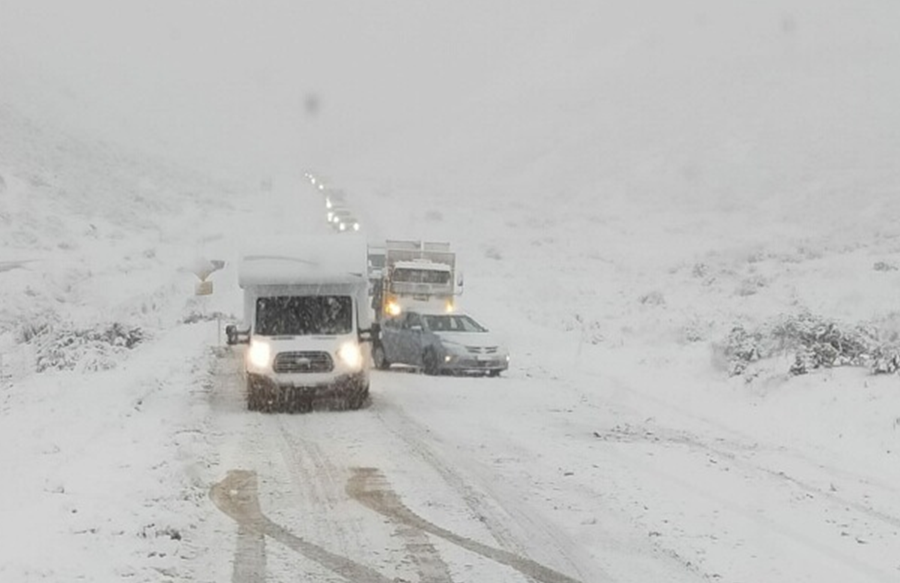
403, 275
453, 323
303, 315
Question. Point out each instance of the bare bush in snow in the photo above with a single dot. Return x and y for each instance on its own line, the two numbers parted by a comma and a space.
816, 343
92, 349
653, 298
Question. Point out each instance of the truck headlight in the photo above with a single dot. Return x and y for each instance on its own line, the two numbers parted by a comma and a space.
393, 309
259, 354
351, 355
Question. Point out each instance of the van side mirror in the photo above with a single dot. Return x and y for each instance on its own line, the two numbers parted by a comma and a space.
366, 335
234, 336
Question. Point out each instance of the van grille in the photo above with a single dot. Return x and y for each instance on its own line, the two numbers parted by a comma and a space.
288, 362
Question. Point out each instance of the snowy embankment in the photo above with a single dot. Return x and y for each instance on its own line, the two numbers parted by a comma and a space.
101, 372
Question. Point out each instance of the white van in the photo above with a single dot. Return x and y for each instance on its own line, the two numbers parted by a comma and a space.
306, 324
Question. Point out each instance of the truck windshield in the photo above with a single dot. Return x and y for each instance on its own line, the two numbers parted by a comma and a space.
402, 275
303, 315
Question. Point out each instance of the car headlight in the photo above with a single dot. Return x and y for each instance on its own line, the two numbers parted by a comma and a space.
393, 309
355, 226
351, 355
259, 354
342, 226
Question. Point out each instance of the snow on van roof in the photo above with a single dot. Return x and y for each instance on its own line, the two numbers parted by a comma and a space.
331, 259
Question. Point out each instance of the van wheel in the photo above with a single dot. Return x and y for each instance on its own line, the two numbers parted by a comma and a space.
254, 396
430, 360
358, 399
379, 357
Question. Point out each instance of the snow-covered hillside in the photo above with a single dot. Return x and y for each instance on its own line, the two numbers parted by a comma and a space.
626, 186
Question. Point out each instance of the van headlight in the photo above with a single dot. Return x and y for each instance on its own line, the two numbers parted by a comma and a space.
259, 354
351, 355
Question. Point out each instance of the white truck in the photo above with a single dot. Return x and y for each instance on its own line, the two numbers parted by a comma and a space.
307, 325
406, 274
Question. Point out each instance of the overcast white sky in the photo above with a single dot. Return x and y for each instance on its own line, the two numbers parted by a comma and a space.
230, 78
613, 94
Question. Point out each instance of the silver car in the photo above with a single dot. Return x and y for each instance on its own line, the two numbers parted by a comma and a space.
439, 343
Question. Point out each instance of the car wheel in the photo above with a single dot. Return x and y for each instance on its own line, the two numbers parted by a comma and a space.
494, 373
379, 357
430, 360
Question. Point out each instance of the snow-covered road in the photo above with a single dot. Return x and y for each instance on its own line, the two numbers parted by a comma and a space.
524, 478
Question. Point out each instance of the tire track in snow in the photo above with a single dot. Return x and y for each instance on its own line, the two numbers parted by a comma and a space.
315, 481
430, 567
415, 436
363, 486
327, 491
237, 497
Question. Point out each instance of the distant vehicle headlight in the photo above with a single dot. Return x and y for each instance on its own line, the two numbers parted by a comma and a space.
393, 309
355, 226
351, 355
342, 226
259, 354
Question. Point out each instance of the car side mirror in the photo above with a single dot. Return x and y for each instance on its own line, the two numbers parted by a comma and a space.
234, 336
366, 335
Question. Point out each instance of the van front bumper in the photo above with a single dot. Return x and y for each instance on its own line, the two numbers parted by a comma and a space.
297, 385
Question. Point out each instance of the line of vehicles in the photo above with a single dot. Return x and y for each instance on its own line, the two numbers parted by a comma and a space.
320, 310
338, 213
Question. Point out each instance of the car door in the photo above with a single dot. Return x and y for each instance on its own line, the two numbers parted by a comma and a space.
392, 339
412, 339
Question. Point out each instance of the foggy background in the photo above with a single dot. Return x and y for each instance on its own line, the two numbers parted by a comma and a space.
697, 100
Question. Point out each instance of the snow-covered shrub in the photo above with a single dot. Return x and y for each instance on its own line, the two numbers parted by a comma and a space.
194, 316
653, 298
492, 252
751, 285
695, 331
99, 348
816, 343
740, 349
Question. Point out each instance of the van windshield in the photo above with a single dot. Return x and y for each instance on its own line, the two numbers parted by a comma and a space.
304, 315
